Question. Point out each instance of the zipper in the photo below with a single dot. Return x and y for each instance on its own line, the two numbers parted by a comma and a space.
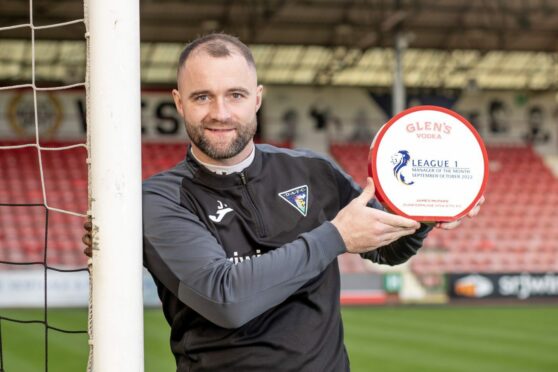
259, 225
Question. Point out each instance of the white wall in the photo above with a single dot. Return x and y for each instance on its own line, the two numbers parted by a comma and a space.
62, 115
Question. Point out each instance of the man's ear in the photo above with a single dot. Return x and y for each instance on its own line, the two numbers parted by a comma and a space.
178, 101
259, 96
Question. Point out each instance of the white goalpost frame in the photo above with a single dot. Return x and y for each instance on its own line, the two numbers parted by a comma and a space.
115, 153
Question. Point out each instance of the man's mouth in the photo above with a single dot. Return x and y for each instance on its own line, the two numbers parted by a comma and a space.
220, 132
220, 129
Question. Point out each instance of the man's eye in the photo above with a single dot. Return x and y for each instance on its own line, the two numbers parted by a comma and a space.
237, 95
201, 98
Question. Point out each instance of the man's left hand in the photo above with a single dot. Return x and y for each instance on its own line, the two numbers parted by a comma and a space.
454, 224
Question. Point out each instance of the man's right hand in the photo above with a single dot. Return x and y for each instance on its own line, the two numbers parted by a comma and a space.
364, 229
87, 238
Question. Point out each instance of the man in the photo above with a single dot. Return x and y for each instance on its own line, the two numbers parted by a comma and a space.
498, 113
536, 133
242, 240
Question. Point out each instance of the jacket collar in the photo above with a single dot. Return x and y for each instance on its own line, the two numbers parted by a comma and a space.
204, 176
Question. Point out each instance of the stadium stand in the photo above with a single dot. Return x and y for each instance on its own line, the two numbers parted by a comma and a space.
22, 229
516, 230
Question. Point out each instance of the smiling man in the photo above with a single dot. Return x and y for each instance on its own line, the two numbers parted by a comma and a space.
242, 240
217, 97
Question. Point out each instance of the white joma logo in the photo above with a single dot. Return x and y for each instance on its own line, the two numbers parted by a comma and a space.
222, 211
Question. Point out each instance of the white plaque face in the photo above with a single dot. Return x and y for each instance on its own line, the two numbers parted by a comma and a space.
429, 164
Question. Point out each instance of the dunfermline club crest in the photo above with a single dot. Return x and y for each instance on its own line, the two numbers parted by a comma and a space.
297, 198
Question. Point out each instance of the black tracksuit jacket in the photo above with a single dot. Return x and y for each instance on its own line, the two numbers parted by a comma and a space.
246, 263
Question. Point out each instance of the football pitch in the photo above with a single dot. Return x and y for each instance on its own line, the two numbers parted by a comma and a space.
521, 338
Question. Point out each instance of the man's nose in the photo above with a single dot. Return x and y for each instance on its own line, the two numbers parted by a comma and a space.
219, 110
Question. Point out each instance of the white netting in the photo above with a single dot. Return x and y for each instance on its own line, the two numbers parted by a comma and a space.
41, 149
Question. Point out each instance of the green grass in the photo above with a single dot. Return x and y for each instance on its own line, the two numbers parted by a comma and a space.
452, 339
378, 339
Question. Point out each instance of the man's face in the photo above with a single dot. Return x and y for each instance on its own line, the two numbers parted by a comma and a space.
218, 99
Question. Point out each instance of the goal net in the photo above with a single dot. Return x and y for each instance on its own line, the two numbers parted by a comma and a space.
41, 215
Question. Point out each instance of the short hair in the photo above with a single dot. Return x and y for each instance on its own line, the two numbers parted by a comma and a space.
217, 45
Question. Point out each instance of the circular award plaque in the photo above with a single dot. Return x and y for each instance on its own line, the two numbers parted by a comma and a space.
429, 164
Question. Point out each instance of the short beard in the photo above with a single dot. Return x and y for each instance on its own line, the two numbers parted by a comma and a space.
245, 133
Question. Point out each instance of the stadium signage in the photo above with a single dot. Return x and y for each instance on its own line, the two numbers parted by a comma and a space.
25, 288
21, 114
62, 116
510, 285
428, 163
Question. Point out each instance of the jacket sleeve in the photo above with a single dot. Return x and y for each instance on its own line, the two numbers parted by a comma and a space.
400, 250
182, 254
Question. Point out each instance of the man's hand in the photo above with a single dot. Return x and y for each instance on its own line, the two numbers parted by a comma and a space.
471, 214
87, 238
364, 229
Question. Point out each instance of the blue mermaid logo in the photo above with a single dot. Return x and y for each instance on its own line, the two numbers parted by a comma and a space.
400, 160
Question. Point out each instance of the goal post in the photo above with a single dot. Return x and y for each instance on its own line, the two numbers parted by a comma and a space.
114, 137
